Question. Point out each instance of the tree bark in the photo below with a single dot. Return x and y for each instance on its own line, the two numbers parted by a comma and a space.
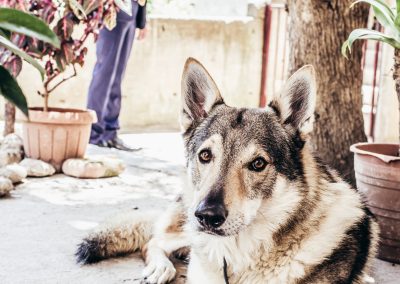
9, 117
317, 29
396, 78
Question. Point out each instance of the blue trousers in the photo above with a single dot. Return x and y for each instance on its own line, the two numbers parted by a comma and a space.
112, 50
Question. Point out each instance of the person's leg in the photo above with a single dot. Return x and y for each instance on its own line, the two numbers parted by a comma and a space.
108, 50
111, 114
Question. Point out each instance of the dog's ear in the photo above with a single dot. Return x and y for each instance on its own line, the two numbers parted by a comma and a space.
295, 104
199, 93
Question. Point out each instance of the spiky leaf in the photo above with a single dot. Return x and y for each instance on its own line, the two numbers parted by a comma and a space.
5, 33
358, 34
398, 6
397, 21
10, 90
382, 12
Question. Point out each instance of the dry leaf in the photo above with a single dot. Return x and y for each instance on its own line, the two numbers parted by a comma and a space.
110, 20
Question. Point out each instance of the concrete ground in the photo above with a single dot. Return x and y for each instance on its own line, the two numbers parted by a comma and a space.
45, 218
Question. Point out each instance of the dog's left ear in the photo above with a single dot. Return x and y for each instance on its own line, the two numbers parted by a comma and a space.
295, 104
199, 93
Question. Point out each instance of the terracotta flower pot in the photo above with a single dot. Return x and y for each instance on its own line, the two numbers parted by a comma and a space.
377, 168
57, 135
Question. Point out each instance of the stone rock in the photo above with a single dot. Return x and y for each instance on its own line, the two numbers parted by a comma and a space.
11, 150
14, 172
5, 186
93, 167
37, 168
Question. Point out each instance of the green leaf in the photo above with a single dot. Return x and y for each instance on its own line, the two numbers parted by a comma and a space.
10, 90
124, 5
21, 22
383, 19
397, 21
15, 49
5, 33
382, 12
380, 5
367, 34
398, 6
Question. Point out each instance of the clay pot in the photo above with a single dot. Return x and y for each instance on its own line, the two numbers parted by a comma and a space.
57, 135
377, 168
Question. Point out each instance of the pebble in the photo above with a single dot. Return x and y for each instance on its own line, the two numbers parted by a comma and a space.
5, 186
93, 167
37, 168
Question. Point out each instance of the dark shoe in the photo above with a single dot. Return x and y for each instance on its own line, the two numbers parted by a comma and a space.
100, 144
117, 143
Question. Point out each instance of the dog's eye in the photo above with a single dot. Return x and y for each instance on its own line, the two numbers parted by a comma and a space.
258, 165
205, 156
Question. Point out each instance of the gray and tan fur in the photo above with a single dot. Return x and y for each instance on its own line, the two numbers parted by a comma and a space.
256, 198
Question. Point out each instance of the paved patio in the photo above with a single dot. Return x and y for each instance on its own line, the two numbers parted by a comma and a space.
44, 219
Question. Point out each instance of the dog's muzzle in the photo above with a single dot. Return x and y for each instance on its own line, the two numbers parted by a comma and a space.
211, 216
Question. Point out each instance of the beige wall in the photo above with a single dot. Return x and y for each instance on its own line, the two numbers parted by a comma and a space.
231, 48
387, 116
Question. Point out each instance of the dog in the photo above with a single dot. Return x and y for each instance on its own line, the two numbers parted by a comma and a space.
257, 207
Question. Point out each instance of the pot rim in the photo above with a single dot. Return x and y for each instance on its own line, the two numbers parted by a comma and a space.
58, 116
385, 158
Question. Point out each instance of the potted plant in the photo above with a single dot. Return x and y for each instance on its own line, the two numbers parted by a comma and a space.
377, 166
12, 20
55, 134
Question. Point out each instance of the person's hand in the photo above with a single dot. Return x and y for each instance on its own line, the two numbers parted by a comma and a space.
142, 33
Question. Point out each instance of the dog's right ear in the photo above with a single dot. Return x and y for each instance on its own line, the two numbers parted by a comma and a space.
295, 104
199, 93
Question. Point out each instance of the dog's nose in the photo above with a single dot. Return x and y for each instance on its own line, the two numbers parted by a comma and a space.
211, 216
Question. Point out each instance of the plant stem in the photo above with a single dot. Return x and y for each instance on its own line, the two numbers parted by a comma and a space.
48, 89
396, 78
63, 80
46, 101
9, 117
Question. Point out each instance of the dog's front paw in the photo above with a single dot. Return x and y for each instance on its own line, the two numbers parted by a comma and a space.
159, 271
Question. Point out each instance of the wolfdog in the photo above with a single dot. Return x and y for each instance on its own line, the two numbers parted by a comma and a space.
257, 206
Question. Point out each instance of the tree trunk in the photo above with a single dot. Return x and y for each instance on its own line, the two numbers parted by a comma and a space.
317, 29
396, 78
9, 117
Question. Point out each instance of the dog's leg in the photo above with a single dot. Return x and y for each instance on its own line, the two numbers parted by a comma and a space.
169, 238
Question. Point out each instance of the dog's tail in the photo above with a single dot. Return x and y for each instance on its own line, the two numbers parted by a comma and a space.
120, 235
